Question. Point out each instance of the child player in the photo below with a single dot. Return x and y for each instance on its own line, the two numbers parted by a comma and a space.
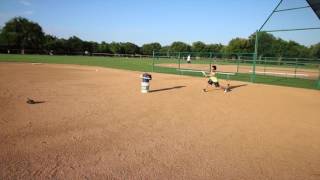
213, 80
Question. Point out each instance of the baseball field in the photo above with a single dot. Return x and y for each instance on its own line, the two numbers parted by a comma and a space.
92, 122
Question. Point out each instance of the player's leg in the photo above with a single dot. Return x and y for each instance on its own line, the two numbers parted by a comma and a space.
225, 88
209, 83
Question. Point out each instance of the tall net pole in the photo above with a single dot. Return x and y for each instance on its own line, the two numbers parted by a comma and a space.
314, 7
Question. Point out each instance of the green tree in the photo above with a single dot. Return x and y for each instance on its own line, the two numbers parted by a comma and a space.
148, 49
315, 50
278, 48
266, 46
2, 40
104, 48
21, 33
50, 42
282, 48
239, 45
54, 45
130, 48
199, 47
269, 46
116, 48
304, 52
165, 50
90, 46
180, 47
292, 49
215, 48
74, 44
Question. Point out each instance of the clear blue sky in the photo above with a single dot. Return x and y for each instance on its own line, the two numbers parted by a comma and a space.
145, 21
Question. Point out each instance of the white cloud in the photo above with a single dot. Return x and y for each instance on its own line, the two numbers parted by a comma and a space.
24, 2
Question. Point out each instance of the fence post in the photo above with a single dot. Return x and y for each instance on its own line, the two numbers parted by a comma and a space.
153, 57
295, 68
279, 60
210, 57
179, 62
213, 58
238, 61
265, 64
253, 76
318, 84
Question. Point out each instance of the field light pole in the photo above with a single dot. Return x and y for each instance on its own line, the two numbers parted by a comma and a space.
255, 56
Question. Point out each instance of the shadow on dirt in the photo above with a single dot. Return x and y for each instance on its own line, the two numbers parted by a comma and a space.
31, 101
237, 86
166, 89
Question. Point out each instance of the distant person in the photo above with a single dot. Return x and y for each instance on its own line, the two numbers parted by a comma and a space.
189, 59
214, 82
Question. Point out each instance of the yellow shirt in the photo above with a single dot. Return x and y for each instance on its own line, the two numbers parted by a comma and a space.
213, 79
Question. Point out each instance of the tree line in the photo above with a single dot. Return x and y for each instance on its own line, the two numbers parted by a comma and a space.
23, 35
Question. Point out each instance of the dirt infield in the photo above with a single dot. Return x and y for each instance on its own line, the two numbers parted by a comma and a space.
271, 71
93, 123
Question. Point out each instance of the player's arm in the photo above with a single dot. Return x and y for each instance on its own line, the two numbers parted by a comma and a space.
206, 74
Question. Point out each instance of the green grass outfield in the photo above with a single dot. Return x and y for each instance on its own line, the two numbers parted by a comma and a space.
145, 64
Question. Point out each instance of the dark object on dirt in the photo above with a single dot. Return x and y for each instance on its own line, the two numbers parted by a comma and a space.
31, 101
